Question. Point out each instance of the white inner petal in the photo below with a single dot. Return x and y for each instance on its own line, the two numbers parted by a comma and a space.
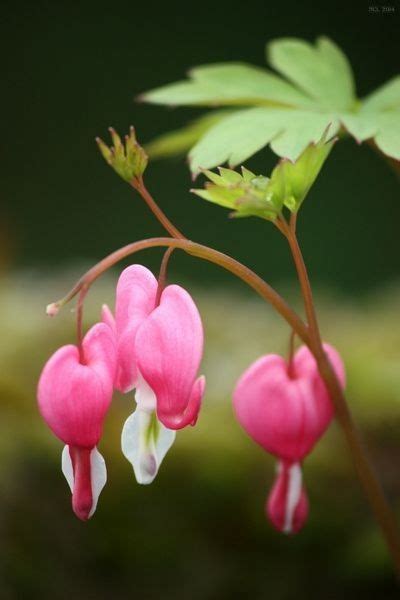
292, 495
145, 442
98, 474
144, 396
67, 468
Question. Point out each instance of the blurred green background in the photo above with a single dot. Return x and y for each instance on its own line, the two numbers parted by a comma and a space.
199, 531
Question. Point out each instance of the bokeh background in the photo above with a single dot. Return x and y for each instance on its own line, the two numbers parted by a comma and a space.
199, 532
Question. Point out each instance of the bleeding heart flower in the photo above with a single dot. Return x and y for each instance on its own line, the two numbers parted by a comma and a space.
74, 394
169, 347
286, 411
159, 353
135, 299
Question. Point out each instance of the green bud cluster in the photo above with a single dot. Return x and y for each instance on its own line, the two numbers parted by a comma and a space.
247, 194
129, 160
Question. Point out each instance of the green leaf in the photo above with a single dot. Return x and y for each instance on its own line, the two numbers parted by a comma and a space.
227, 84
222, 196
237, 137
382, 127
287, 111
360, 126
290, 182
388, 137
322, 72
250, 85
180, 141
387, 97
229, 176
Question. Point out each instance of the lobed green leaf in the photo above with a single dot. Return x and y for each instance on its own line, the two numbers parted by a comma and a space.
315, 87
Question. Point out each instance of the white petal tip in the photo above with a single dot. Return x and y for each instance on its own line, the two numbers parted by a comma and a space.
145, 443
66, 467
98, 478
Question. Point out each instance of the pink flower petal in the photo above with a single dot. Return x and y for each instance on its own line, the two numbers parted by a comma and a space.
189, 417
304, 362
74, 397
285, 415
135, 299
169, 346
107, 317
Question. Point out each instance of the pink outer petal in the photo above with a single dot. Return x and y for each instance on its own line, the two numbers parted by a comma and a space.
286, 416
192, 411
107, 317
73, 397
304, 362
277, 504
169, 346
82, 497
135, 299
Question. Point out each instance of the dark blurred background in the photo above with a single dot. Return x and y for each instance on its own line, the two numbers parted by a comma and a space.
73, 69
70, 70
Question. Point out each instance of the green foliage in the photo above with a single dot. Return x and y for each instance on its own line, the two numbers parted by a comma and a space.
315, 88
179, 141
129, 161
250, 195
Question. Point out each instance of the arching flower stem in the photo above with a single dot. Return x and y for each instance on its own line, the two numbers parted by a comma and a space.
162, 276
139, 186
198, 250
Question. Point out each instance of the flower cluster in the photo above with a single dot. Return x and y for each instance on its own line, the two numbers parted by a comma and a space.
152, 344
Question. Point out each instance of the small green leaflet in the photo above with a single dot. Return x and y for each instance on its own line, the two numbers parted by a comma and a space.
313, 88
249, 195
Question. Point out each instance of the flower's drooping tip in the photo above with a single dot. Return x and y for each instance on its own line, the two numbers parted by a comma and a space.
287, 504
86, 474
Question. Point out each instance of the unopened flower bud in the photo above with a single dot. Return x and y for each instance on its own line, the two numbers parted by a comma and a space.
52, 309
127, 159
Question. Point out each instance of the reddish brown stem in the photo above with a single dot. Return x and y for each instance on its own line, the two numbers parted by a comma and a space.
370, 483
292, 339
138, 184
198, 250
289, 232
79, 320
162, 276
